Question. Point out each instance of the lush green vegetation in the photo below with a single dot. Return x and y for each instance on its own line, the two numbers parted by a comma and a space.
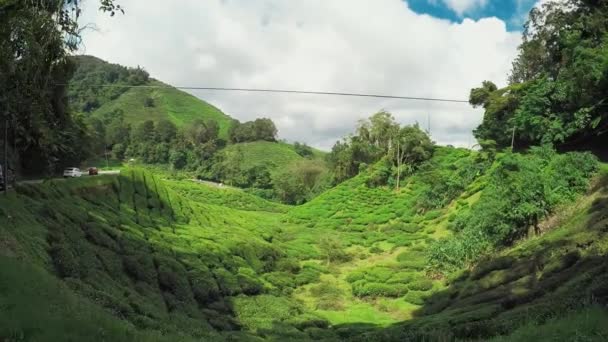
159, 102
161, 258
558, 82
395, 239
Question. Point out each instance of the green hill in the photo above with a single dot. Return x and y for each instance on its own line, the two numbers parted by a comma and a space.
137, 104
168, 103
139, 257
265, 153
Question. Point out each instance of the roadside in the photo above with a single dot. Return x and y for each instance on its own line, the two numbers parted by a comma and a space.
41, 180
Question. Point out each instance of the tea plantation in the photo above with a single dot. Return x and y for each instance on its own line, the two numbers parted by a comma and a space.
142, 257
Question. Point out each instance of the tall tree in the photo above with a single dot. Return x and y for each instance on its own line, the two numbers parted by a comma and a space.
558, 84
35, 40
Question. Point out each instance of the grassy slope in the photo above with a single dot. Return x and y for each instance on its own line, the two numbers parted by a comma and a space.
250, 244
169, 103
539, 279
386, 237
266, 153
226, 196
134, 248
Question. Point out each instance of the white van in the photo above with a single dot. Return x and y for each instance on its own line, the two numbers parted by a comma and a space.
72, 172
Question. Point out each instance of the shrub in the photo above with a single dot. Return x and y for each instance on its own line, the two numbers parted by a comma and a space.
288, 265
561, 263
172, 277
379, 274
249, 284
64, 260
521, 190
355, 276
401, 277
280, 279
227, 282
328, 295
415, 297
140, 267
420, 285
495, 264
204, 286
307, 275
376, 250
365, 289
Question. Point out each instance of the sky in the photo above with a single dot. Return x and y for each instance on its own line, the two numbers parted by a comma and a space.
419, 48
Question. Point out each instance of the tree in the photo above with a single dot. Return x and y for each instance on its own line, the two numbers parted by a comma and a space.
264, 129
260, 129
118, 132
558, 82
201, 131
144, 133
302, 149
36, 38
332, 250
299, 181
411, 146
118, 151
165, 130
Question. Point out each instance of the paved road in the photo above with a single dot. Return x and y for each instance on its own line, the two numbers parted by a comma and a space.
38, 181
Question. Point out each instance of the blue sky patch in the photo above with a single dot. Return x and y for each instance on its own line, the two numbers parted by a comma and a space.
512, 12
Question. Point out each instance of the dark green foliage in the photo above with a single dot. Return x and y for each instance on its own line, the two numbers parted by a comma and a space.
523, 190
420, 285
85, 97
141, 268
416, 297
556, 80
228, 282
172, 277
260, 129
281, 280
492, 265
380, 138
64, 260
204, 286
300, 181
303, 150
249, 284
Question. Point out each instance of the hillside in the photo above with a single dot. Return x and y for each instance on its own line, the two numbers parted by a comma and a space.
140, 257
167, 103
134, 116
137, 104
265, 153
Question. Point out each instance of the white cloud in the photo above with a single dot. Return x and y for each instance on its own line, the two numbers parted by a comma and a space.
361, 46
463, 6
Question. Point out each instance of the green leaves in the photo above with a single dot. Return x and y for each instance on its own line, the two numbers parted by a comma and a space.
557, 81
522, 190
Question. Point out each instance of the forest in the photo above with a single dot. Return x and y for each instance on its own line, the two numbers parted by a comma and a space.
217, 229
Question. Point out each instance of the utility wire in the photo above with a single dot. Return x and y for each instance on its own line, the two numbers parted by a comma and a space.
279, 91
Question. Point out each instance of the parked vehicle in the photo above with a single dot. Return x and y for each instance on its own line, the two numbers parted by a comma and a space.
93, 171
72, 172
11, 177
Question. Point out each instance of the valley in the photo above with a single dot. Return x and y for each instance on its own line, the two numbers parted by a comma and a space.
166, 259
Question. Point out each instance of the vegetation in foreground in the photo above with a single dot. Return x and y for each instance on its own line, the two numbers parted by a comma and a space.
416, 242
161, 259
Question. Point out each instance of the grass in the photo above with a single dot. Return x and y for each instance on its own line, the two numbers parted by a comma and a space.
588, 324
265, 153
140, 257
169, 103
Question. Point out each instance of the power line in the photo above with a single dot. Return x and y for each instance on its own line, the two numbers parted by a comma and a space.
279, 91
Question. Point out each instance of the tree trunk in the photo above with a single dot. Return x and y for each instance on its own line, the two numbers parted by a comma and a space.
398, 167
